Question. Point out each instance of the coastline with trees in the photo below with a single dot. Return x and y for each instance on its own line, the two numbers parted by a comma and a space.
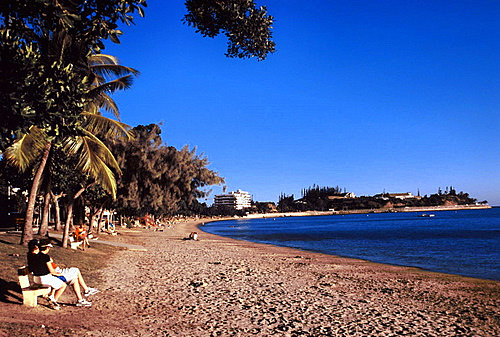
56, 87
336, 199
66, 155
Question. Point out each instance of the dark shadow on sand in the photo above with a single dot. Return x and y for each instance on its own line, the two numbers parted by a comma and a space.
10, 291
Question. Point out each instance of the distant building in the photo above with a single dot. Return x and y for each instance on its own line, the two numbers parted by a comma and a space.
238, 199
348, 195
402, 196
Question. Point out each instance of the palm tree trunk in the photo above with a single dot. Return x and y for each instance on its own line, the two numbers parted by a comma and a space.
67, 225
44, 225
57, 208
28, 222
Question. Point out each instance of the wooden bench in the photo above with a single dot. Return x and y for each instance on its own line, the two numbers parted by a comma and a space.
74, 244
30, 291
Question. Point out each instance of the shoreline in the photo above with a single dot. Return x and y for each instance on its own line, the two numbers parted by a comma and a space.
219, 286
313, 213
199, 226
364, 211
367, 271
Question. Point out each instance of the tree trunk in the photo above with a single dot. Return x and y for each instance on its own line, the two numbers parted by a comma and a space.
44, 224
56, 198
69, 219
99, 222
67, 225
28, 221
94, 219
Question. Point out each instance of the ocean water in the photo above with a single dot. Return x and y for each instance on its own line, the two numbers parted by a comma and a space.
464, 242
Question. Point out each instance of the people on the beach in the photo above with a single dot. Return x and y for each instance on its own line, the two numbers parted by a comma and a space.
193, 236
40, 265
81, 235
71, 276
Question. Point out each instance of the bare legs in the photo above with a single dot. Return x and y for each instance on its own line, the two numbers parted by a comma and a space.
79, 282
77, 285
76, 288
59, 292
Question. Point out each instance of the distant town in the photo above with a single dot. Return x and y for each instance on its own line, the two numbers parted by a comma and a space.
336, 199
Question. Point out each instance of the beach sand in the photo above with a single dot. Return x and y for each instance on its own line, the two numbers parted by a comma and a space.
223, 287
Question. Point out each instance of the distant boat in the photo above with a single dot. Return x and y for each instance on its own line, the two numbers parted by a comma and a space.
426, 215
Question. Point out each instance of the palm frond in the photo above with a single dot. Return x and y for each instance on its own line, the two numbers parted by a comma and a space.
107, 70
26, 150
102, 151
104, 101
94, 159
103, 59
72, 145
96, 124
110, 87
93, 165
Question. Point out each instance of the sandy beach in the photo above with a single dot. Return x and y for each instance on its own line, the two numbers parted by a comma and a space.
223, 287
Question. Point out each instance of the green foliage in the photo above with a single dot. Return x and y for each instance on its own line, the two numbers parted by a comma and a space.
247, 27
97, 197
61, 174
286, 203
158, 179
45, 76
95, 159
315, 198
36, 92
263, 207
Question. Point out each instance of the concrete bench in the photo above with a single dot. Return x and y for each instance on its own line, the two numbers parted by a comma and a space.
30, 291
74, 244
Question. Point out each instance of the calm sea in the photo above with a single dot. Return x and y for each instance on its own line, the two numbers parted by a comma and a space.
465, 242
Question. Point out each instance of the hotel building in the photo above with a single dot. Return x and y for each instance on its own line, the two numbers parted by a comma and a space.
238, 199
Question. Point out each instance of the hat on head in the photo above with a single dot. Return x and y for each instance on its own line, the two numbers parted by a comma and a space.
32, 244
45, 243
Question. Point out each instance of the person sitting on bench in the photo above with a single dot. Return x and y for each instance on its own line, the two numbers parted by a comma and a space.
81, 235
38, 264
71, 276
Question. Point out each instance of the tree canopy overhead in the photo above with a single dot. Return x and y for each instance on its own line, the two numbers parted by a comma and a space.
51, 86
45, 76
247, 27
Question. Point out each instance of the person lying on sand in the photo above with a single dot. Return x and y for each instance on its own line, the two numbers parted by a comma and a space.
193, 236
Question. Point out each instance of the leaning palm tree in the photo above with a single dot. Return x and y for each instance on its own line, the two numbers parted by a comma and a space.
95, 159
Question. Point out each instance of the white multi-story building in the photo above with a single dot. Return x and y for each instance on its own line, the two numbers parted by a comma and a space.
402, 196
238, 199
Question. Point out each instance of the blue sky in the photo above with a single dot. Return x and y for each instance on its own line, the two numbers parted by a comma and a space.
367, 95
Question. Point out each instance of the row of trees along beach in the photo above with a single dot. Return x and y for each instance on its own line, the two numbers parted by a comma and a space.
61, 138
62, 141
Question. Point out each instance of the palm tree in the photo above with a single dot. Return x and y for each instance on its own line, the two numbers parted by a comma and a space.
95, 159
